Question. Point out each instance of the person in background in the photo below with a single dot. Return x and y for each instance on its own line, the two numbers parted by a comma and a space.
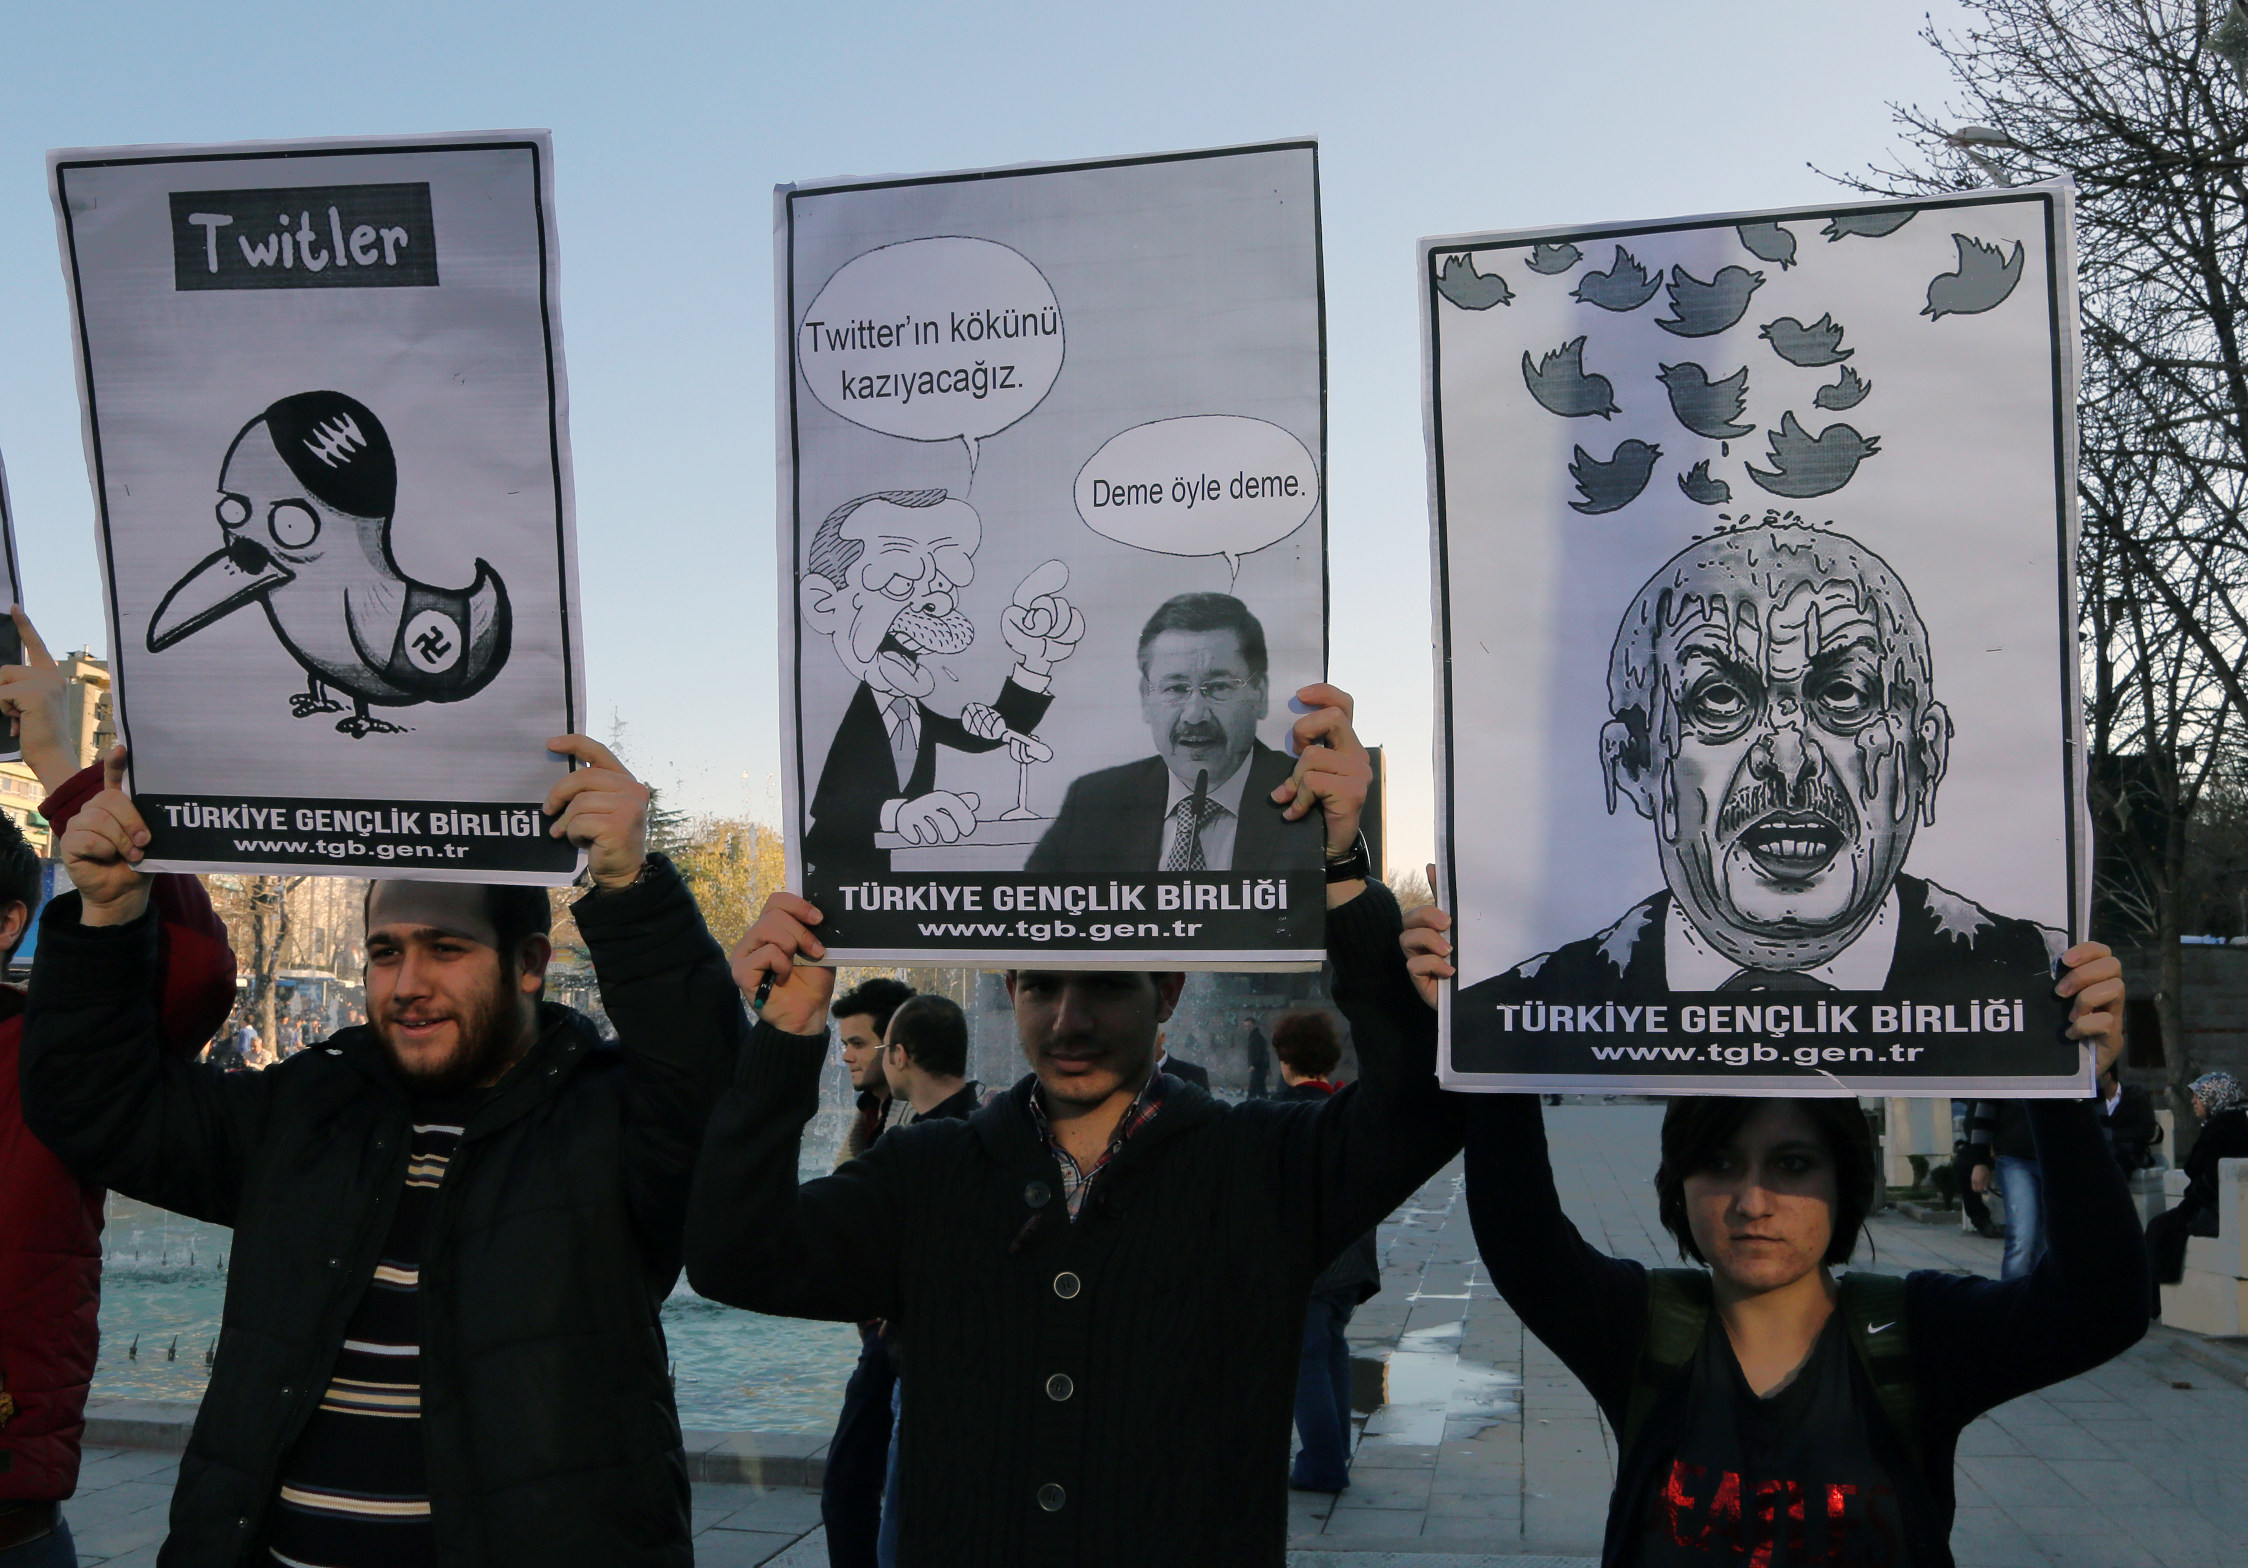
852, 1484
477, 1193
2001, 1128
2222, 1108
1260, 1059
1178, 1067
862, 1017
1309, 1049
925, 1053
50, 1222
1967, 1159
2127, 1117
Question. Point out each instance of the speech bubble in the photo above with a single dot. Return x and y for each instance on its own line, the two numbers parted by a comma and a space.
933, 340
1204, 484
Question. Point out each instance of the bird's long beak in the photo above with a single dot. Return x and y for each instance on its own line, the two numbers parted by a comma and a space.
221, 583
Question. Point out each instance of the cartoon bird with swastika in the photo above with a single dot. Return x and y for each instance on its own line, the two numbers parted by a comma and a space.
306, 493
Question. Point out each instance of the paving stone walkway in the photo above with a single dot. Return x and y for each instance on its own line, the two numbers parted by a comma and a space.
1488, 1453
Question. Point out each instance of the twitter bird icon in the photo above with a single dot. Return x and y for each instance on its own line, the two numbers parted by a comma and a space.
1626, 285
1806, 465
1561, 385
1848, 391
1820, 343
1698, 309
1984, 278
1768, 242
1708, 408
1698, 486
1469, 289
1547, 260
1874, 225
1615, 484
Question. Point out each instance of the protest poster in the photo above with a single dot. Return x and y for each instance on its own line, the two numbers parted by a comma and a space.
1760, 751
11, 640
1052, 558
328, 432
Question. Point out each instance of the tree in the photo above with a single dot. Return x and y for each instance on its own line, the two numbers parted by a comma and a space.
257, 916
730, 864
2131, 100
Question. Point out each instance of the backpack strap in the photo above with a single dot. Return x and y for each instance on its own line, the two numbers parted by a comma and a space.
1678, 1307
1873, 1307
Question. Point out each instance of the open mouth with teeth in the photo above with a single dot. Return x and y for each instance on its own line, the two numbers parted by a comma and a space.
1791, 846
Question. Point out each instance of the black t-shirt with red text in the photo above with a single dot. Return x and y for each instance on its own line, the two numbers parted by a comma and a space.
1784, 1482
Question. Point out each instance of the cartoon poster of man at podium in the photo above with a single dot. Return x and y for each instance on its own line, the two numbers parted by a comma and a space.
1052, 556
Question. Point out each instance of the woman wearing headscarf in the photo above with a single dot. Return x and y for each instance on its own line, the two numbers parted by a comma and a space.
2222, 1106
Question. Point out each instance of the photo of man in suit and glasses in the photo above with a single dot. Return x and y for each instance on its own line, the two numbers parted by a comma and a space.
1203, 802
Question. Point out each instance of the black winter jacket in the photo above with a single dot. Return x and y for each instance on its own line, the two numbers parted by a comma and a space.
1357, 1269
546, 1406
1113, 1391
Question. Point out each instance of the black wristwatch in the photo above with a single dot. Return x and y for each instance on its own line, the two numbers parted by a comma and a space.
1354, 865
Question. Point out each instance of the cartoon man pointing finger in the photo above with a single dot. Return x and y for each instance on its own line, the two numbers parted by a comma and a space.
882, 582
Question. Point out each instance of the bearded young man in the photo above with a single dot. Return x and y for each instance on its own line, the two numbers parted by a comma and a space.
1103, 1264
453, 1226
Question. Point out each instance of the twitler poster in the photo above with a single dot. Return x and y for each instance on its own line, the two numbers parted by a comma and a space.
328, 432
1755, 542
1052, 556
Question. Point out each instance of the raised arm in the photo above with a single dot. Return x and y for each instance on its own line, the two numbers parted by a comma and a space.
1370, 1146
664, 986
756, 1237
99, 1086
1586, 1307
1982, 1342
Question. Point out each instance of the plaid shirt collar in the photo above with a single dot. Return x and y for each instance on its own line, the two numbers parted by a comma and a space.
1078, 1180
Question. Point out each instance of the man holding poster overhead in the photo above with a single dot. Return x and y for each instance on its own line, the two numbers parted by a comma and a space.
1103, 1264
454, 1225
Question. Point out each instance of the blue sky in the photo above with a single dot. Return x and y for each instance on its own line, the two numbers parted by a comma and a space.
673, 122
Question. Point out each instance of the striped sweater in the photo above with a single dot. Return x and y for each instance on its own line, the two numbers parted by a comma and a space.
355, 1490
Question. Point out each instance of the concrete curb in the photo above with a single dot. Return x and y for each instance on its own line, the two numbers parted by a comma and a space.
726, 1458
2228, 1358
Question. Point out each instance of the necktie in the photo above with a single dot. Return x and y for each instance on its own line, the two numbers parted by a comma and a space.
1774, 980
905, 739
1193, 814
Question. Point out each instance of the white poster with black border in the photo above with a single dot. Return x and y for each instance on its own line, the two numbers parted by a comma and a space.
11, 640
328, 430
1052, 558
1760, 750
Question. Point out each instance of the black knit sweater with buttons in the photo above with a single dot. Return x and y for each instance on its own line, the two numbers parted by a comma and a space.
1114, 1391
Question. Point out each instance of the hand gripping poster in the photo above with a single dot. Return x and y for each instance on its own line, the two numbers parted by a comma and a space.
328, 432
1052, 555
1754, 543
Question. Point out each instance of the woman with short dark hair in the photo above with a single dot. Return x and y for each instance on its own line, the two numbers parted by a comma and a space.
1767, 1411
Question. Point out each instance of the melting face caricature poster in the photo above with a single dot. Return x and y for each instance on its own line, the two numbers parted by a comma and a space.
1754, 543
328, 432
1052, 557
